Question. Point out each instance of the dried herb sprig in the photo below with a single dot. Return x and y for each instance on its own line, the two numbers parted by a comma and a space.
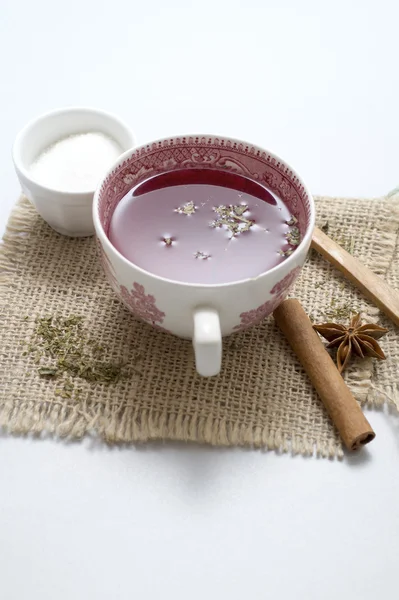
187, 209
69, 353
338, 310
293, 236
232, 217
292, 220
202, 255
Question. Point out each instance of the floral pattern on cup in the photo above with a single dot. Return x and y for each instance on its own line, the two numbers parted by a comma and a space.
255, 316
137, 301
203, 152
142, 305
286, 282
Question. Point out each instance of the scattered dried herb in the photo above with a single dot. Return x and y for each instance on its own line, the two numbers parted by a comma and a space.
338, 310
69, 353
346, 242
49, 371
354, 339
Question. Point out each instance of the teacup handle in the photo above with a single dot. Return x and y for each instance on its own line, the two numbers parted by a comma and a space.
207, 341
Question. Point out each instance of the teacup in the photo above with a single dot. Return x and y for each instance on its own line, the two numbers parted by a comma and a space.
201, 312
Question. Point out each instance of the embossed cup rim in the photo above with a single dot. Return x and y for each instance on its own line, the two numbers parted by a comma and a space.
289, 262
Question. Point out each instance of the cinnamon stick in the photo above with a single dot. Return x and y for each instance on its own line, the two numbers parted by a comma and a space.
342, 407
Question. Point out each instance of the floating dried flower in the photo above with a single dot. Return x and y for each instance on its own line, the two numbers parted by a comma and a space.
202, 255
186, 209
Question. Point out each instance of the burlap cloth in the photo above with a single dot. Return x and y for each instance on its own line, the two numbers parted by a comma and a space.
261, 398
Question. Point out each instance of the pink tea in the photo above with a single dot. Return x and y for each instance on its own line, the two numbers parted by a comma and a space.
203, 226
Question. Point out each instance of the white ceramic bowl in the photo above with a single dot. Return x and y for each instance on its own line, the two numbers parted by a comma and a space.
69, 213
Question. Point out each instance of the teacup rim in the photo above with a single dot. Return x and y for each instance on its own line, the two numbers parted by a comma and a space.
290, 260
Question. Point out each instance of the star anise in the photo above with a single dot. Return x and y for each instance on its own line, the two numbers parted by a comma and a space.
357, 338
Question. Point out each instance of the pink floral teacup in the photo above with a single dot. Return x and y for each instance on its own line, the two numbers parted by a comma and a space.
201, 312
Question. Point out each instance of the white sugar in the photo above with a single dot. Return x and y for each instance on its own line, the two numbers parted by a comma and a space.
75, 163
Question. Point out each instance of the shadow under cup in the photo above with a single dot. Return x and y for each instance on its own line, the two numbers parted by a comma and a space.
203, 312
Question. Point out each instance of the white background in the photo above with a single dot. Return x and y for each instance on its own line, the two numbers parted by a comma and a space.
318, 83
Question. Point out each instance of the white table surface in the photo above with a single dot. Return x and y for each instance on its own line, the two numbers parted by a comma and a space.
318, 83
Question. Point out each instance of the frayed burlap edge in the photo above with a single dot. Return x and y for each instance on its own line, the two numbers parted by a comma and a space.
133, 427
